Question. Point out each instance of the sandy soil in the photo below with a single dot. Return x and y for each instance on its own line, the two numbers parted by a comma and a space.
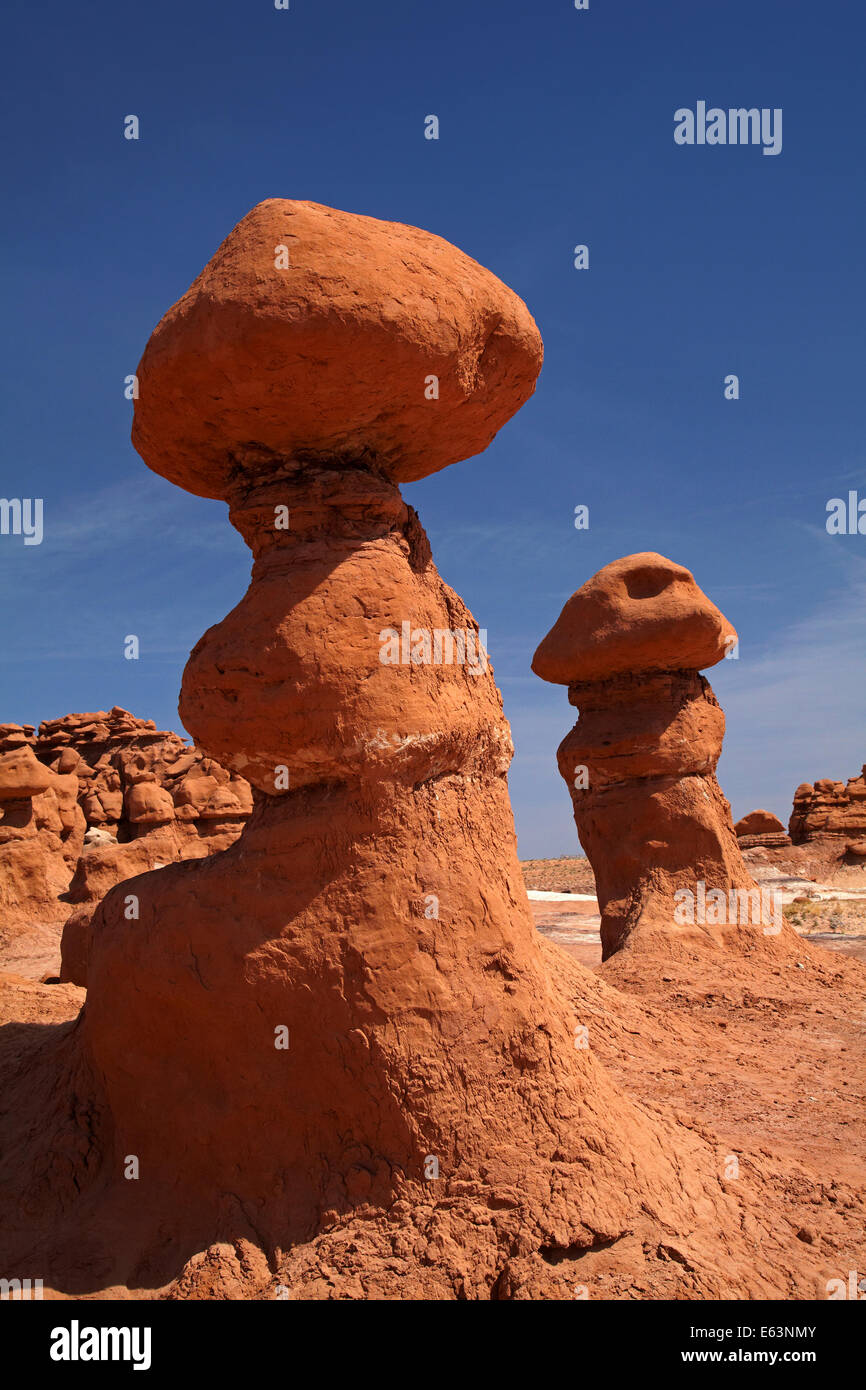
34, 953
767, 1066
559, 875
772, 1067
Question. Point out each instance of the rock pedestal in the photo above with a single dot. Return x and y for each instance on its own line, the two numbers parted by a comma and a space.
351, 1002
640, 763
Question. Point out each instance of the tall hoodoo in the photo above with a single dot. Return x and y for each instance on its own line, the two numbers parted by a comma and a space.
352, 998
641, 761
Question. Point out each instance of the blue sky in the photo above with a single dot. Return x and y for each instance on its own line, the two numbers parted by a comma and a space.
556, 128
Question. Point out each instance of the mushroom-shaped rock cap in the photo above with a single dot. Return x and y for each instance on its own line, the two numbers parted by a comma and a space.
22, 775
319, 333
641, 613
759, 823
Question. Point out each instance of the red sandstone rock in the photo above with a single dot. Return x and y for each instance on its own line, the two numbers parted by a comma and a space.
759, 823
830, 816
41, 835
105, 863
354, 909
640, 762
105, 772
22, 776
282, 374
761, 830
135, 784
641, 613
15, 736
148, 804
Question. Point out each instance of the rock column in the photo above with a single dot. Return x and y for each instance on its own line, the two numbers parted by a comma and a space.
350, 1004
641, 761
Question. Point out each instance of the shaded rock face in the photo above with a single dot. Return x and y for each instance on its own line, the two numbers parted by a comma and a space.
351, 1002
831, 816
761, 830
640, 763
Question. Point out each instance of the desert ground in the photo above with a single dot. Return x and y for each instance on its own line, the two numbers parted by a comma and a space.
771, 1066
766, 1067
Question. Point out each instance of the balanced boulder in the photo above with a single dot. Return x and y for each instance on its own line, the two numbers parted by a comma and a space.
641, 761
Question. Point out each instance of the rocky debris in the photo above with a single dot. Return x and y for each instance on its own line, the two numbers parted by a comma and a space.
761, 830
640, 763
830, 817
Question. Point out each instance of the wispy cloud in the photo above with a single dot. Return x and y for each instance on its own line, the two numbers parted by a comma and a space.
113, 518
796, 711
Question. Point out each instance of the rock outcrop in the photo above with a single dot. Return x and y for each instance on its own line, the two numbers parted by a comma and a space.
133, 776
149, 800
86, 802
830, 817
640, 763
41, 833
761, 830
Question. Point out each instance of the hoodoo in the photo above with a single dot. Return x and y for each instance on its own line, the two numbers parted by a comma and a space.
761, 830
350, 1005
641, 761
